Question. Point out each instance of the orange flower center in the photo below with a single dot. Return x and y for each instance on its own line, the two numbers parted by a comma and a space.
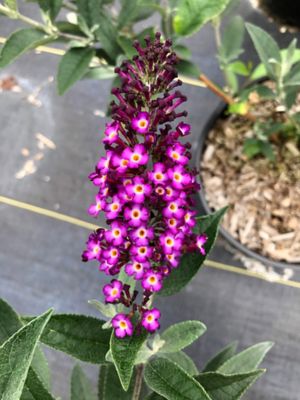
123, 325
142, 123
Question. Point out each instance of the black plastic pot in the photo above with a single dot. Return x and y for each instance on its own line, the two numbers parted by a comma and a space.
219, 113
285, 12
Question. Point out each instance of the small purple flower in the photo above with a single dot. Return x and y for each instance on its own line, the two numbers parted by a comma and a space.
150, 320
200, 242
173, 259
142, 235
111, 133
174, 209
141, 253
94, 209
136, 215
120, 163
103, 163
177, 154
116, 235
137, 156
138, 190
183, 129
158, 175
137, 269
170, 194
170, 243
179, 177
189, 218
113, 209
152, 281
122, 326
93, 251
113, 291
111, 255
173, 224
141, 123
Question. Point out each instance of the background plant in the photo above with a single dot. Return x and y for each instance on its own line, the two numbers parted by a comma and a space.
280, 67
98, 34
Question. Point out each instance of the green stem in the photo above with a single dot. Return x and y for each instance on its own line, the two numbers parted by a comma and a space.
138, 382
52, 30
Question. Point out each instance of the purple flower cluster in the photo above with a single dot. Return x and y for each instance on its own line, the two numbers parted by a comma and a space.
145, 186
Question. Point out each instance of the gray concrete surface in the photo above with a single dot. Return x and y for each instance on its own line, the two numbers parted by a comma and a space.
40, 262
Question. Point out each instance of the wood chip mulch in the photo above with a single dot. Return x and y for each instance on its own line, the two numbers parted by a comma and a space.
264, 196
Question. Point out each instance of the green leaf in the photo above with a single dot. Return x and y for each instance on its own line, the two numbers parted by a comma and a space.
124, 352
19, 42
90, 11
109, 386
247, 360
41, 367
267, 49
154, 396
80, 336
51, 7
105, 72
172, 382
68, 27
232, 40
287, 57
12, 4
240, 108
293, 77
126, 45
72, 67
10, 321
146, 32
228, 387
191, 262
187, 68
219, 359
34, 388
16, 355
149, 348
182, 52
10, 324
181, 335
80, 385
238, 67
259, 72
128, 12
183, 360
190, 15
146, 9
108, 310
267, 150
107, 35
251, 147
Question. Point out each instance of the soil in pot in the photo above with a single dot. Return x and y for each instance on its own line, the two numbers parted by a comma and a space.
264, 196
285, 12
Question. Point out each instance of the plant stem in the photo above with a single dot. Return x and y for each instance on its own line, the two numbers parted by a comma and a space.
138, 382
48, 30
215, 89
225, 97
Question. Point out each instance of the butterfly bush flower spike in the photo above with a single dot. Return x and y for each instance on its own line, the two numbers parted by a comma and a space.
145, 187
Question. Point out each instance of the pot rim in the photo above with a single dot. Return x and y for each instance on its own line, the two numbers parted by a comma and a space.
219, 110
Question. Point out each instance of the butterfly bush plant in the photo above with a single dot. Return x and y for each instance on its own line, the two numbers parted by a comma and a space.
153, 245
